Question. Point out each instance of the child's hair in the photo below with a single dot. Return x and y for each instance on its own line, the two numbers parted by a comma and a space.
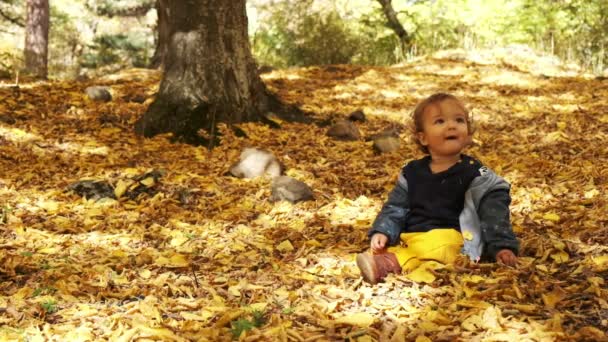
429, 101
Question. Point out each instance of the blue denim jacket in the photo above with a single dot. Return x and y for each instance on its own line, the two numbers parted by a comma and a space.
484, 221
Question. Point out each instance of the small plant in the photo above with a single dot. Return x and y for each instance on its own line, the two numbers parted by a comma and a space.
49, 306
258, 318
4, 212
241, 325
27, 254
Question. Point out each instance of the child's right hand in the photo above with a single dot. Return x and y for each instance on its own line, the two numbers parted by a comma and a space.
378, 242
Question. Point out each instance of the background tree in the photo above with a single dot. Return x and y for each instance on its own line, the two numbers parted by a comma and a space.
210, 75
37, 38
394, 24
162, 34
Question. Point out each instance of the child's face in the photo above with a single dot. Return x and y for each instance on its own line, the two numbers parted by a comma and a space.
445, 130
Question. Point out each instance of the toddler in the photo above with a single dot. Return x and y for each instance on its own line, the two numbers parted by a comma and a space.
444, 203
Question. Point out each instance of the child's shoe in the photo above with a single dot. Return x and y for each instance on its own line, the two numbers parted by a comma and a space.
374, 268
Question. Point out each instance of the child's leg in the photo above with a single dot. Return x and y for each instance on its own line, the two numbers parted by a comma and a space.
442, 245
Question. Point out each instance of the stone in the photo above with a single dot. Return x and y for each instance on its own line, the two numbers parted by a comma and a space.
357, 115
344, 130
93, 189
386, 144
97, 93
254, 162
285, 188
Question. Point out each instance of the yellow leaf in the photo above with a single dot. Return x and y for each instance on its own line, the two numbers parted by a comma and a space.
526, 308
552, 298
203, 317
467, 235
228, 317
472, 323
360, 319
50, 206
427, 326
258, 306
234, 290
145, 273
120, 188
147, 181
423, 338
601, 262
285, 246
591, 193
179, 240
313, 243
551, 217
176, 260
560, 257
421, 275
490, 318
48, 250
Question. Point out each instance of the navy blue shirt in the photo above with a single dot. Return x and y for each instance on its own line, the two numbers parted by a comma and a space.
437, 199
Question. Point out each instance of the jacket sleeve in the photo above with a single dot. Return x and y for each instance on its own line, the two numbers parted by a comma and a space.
496, 224
391, 219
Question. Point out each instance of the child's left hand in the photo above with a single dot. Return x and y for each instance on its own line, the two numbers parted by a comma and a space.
507, 257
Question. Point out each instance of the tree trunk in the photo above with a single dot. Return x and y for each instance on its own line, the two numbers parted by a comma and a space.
37, 37
210, 75
162, 31
394, 24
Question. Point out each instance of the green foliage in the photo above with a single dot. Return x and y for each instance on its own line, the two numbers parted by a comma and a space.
291, 33
49, 306
241, 325
130, 50
295, 35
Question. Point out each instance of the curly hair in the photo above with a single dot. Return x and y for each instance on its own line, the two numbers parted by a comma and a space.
434, 99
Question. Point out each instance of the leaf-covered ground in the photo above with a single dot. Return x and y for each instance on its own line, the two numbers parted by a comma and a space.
197, 255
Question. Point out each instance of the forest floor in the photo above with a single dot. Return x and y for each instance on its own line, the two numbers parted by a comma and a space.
190, 253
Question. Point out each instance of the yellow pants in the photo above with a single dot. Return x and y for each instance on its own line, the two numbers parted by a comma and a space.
442, 245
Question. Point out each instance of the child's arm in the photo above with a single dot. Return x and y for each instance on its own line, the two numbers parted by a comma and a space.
391, 218
496, 226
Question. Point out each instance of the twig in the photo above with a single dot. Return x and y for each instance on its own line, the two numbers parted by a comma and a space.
194, 275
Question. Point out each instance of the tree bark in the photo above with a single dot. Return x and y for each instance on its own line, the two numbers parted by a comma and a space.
37, 38
210, 75
394, 24
162, 31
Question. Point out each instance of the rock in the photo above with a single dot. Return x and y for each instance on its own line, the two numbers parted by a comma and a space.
93, 189
290, 189
254, 163
386, 144
344, 130
357, 115
97, 93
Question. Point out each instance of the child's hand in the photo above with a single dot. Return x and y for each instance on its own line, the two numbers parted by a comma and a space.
507, 257
378, 243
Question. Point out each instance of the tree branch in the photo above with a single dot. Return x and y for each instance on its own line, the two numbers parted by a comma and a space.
393, 21
15, 20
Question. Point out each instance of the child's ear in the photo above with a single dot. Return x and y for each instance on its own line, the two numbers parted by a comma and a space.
422, 138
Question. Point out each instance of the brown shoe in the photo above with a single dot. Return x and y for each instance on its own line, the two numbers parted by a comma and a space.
374, 268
